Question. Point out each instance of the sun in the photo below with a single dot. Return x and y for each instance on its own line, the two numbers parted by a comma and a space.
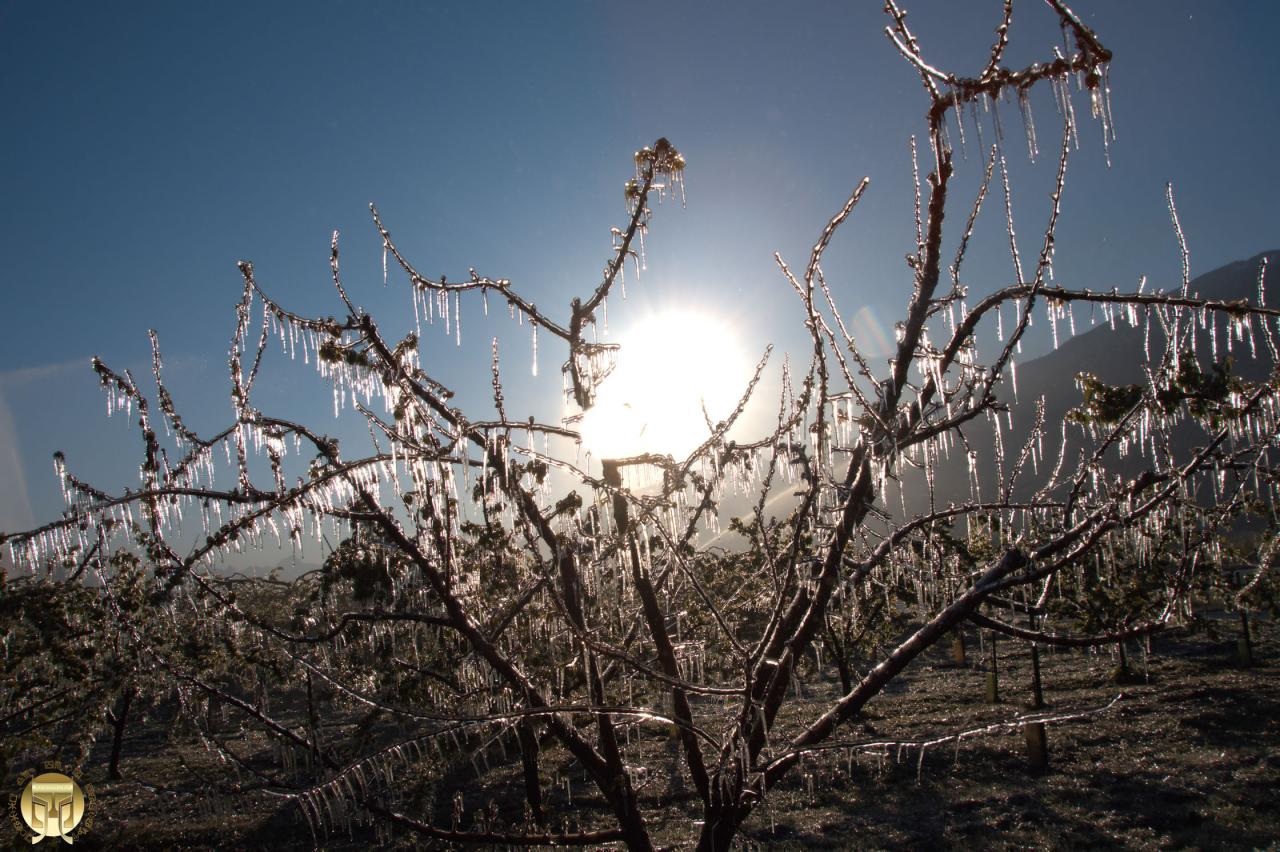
676, 369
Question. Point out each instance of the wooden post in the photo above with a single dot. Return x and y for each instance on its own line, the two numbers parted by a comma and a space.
1037, 747
957, 648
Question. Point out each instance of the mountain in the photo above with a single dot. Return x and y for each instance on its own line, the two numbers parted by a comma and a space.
1116, 357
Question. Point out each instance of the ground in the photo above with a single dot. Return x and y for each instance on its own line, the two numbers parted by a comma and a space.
1188, 757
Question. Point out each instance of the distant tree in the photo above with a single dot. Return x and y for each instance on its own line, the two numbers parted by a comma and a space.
475, 602
68, 669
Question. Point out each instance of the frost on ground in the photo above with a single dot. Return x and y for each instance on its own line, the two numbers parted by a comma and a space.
1189, 757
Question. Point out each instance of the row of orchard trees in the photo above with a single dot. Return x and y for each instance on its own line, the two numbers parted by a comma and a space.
473, 604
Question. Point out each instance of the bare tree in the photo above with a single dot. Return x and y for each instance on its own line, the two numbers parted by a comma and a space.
475, 602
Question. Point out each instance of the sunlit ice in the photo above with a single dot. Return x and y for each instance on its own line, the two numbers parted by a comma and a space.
680, 371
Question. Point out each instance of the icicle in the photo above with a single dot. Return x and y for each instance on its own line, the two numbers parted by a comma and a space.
959, 111
1028, 123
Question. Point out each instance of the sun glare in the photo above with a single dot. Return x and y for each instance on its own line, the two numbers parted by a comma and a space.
671, 368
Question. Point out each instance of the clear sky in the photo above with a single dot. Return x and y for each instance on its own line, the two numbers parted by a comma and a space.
149, 146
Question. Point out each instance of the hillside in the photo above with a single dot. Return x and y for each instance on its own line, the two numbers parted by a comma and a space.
1116, 356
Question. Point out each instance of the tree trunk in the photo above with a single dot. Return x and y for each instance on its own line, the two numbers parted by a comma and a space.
119, 718
529, 758
993, 676
719, 831
1245, 645
212, 714
626, 810
846, 674
1037, 689
1123, 674
1037, 739
313, 722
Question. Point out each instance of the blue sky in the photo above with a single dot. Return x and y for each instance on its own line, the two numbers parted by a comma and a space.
149, 146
